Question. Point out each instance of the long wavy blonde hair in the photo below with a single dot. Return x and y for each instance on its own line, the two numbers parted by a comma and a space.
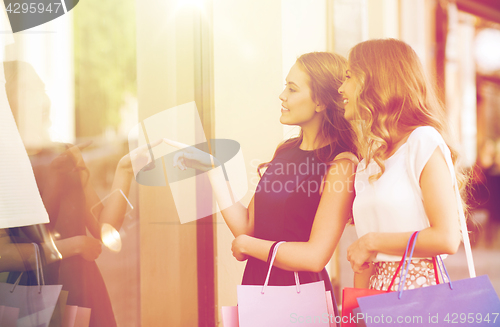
393, 97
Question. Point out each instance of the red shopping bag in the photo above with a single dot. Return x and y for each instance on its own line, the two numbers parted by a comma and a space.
350, 295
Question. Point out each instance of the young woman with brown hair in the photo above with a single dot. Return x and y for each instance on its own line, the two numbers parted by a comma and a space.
305, 195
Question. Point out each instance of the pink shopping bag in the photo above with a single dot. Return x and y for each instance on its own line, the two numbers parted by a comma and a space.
271, 306
75, 316
230, 316
36, 303
8, 316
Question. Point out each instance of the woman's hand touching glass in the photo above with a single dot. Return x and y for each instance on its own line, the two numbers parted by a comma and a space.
191, 157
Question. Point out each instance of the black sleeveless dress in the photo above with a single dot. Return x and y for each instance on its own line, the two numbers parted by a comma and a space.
286, 201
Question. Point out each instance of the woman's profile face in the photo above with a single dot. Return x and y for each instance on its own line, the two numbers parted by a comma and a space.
348, 91
298, 108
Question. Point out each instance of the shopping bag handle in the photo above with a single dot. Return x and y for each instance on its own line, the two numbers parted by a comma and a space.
39, 271
465, 234
406, 264
398, 269
271, 261
441, 267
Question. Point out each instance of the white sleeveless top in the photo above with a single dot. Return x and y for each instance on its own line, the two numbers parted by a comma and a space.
394, 202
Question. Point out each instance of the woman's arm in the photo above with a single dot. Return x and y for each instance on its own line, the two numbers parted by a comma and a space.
331, 217
238, 218
21, 256
113, 213
443, 235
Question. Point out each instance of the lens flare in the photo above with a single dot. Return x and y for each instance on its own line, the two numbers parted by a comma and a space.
111, 238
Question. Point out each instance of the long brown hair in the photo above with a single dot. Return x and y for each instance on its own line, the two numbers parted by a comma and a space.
393, 97
326, 72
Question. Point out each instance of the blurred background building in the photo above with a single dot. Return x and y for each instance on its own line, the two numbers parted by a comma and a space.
108, 65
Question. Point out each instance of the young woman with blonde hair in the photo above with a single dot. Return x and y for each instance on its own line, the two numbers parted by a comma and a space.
406, 181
